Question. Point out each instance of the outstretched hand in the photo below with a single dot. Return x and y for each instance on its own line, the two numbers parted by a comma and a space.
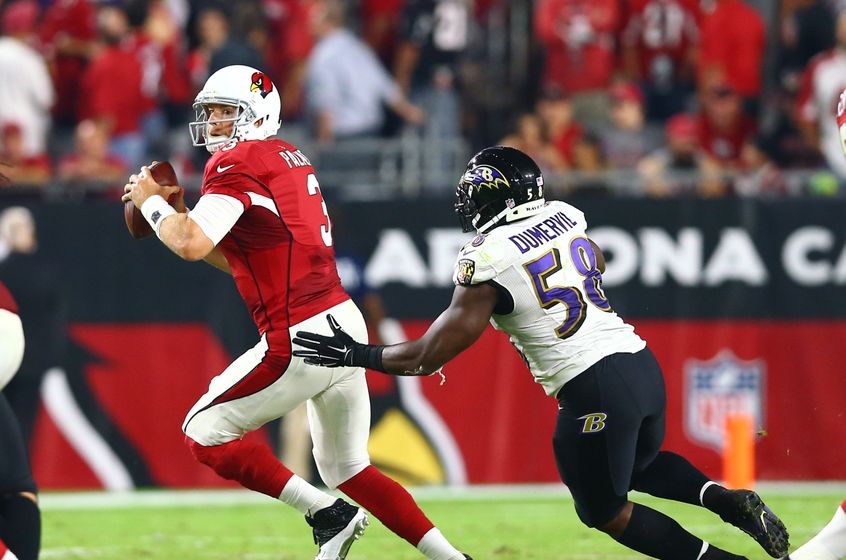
328, 351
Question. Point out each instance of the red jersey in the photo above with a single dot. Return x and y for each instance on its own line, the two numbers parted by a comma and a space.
579, 39
290, 39
111, 88
733, 39
661, 29
6, 300
725, 146
67, 20
280, 249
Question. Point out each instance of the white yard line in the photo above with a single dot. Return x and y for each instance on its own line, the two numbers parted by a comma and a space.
194, 498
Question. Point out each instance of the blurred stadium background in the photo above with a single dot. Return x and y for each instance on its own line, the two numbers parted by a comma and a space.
698, 137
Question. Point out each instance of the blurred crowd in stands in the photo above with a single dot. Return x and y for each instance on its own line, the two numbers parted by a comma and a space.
641, 97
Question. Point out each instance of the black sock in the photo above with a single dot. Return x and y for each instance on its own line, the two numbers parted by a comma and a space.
672, 477
714, 553
20, 526
652, 533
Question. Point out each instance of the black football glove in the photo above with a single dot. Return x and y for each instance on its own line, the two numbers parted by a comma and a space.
329, 351
338, 350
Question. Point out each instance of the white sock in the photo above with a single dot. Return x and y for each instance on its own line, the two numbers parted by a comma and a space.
828, 544
434, 546
304, 497
705, 487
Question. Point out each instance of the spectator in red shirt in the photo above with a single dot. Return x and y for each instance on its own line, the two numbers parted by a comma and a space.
165, 86
20, 168
68, 34
111, 88
732, 47
91, 161
380, 23
659, 41
579, 39
290, 42
723, 126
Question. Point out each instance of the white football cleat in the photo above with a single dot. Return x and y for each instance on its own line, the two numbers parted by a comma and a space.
336, 528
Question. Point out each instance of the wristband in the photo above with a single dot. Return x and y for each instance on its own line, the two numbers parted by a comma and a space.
155, 209
368, 356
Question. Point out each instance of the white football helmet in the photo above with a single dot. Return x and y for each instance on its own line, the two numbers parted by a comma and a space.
251, 91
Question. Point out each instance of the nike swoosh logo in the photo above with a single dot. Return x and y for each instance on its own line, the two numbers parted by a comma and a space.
221, 169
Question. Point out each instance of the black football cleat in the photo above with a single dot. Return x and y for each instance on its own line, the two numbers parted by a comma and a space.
336, 528
745, 510
467, 557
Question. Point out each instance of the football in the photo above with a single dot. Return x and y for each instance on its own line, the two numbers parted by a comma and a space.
162, 173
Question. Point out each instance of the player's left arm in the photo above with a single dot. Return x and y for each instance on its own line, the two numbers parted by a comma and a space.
459, 326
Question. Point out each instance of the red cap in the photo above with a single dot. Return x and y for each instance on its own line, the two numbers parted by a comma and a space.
682, 126
626, 92
20, 17
10, 128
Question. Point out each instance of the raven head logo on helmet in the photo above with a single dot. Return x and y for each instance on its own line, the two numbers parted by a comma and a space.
256, 102
500, 185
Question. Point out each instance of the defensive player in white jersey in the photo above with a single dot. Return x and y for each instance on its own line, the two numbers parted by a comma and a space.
533, 272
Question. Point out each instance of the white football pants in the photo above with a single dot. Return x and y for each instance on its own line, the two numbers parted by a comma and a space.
11, 345
337, 400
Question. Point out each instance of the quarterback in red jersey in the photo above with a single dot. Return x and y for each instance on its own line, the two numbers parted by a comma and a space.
262, 218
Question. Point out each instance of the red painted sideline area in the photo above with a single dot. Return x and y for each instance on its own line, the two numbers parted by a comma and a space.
148, 375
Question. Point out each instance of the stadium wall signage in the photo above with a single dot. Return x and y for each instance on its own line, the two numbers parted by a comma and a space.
743, 303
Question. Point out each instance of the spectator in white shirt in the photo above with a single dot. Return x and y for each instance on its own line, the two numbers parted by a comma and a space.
26, 92
346, 85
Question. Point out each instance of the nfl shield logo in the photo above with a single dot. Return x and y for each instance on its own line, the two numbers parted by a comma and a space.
718, 387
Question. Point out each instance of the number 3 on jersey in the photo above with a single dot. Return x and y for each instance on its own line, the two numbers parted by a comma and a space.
584, 260
325, 229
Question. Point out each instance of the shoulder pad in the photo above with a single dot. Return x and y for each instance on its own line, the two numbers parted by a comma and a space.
233, 158
570, 210
479, 260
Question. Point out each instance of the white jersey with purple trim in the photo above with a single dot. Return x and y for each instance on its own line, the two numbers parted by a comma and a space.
560, 320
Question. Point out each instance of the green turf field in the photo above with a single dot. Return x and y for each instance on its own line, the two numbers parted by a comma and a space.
497, 525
